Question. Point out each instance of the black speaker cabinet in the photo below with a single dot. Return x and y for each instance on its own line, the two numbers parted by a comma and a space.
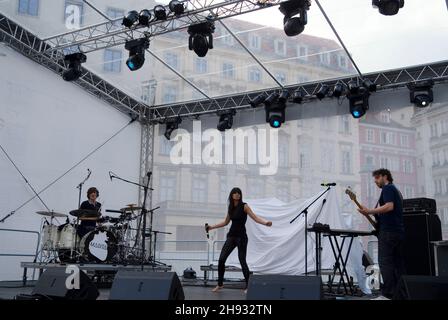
422, 288
51, 285
141, 285
420, 230
284, 287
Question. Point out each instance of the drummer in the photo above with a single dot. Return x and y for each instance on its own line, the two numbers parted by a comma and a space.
90, 204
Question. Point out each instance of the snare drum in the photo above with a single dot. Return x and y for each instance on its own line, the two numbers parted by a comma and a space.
50, 237
67, 237
99, 245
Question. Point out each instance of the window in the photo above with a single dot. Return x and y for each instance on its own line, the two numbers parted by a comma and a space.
169, 94
254, 41
444, 125
445, 216
438, 186
167, 186
223, 189
200, 65
227, 38
29, 7
254, 75
283, 152
228, 70
387, 137
172, 60
325, 58
404, 140
408, 166
281, 77
385, 117
165, 146
73, 14
346, 159
199, 189
370, 161
344, 125
385, 162
112, 60
114, 13
370, 135
149, 91
302, 52
408, 192
434, 130
327, 161
280, 47
343, 62
304, 155
435, 158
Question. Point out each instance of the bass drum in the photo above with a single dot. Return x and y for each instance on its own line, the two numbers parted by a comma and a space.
99, 246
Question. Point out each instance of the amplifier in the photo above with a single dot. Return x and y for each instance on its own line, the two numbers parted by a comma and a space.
419, 205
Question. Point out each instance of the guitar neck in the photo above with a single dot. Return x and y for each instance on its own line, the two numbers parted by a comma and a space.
372, 222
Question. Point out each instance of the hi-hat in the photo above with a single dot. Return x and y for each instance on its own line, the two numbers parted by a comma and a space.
131, 207
51, 214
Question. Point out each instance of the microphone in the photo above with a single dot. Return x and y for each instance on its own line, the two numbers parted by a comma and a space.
206, 230
332, 184
149, 174
110, 176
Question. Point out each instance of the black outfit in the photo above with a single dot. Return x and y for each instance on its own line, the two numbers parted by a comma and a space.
390, 240
86, 226
236, 237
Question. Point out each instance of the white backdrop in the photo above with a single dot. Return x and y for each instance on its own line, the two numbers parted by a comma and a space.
46, 126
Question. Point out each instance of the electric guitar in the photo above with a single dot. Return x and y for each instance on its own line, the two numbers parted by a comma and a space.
352, 196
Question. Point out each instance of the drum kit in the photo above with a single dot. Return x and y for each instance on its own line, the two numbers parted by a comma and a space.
113, 240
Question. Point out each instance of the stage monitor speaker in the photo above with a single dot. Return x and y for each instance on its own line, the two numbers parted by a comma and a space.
284, 287
420, 230
422, 288
141, 285
51, 285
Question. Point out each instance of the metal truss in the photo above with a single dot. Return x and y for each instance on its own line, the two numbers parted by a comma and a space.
112, 33
34, 48
386, 80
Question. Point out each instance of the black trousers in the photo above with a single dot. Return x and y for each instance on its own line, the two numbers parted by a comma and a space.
230, 244
391, 260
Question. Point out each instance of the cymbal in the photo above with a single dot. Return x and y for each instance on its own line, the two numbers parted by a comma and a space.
130, 209
84, 213
51, 214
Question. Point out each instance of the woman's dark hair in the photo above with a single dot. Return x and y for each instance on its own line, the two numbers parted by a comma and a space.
92, 190
232, 207
383, 172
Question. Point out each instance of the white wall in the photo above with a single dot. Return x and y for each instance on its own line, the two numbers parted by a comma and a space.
46, 126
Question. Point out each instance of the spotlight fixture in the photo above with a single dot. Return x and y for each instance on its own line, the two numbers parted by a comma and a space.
160, 12
388, 7
359, 102
225, 120
323, 91
255, 102
130, 19
284, 95
144, 17
171, 125
295, 12
275, 110
74, 70
136, 50
369, 85
201, 38
338, 89
421, 93
177, 7
297, 96
353, 87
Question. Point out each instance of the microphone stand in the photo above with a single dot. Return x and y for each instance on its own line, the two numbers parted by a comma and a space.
79, 186
144, 211
305, 213
75, 235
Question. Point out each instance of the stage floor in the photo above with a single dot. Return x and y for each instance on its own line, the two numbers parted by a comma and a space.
192, 291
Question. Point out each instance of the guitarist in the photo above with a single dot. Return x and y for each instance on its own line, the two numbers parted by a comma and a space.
390, 226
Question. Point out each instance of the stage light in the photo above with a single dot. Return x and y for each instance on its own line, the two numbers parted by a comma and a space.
338, 89
255, 102
323, 91
160, 12
171, 125
369, 85
74, 70
297, 96
388, 7
359, 102
275, 110
295, 12
144, 17
225, 120
136, 50
176, 7
421, 93
284, 95
201, 38
130, 19
353, 87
